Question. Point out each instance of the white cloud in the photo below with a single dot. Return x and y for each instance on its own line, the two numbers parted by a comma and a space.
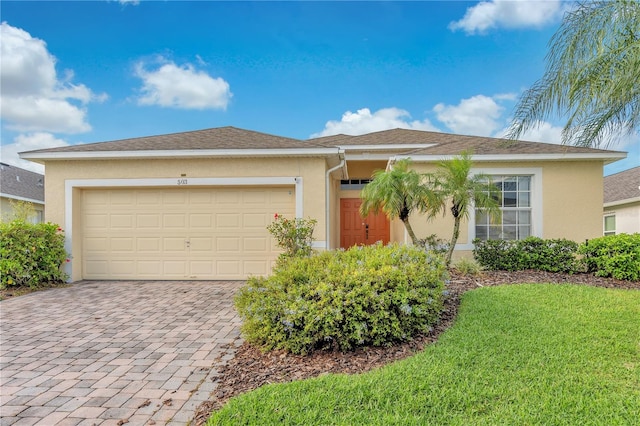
508, 14
29, 142
363, 121
171, 85
33, 98
131, 2
476, 116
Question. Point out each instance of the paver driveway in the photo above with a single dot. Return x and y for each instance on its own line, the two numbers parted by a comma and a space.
106, 353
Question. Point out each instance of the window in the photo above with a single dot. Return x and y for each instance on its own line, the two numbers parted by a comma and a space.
515, 202
353, 183
610, 224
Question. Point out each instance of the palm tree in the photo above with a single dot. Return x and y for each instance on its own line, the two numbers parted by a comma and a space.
455, 183
592, 76
397, 193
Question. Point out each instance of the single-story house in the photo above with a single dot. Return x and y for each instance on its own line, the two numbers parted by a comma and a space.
195, 205
17, 185
622, 202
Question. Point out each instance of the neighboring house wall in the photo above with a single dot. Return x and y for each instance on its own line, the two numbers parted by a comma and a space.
622, 202
627, 218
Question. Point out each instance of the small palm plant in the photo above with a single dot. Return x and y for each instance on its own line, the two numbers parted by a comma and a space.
464, 190
398, 192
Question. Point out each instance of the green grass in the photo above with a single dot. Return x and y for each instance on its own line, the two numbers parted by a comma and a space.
517, 355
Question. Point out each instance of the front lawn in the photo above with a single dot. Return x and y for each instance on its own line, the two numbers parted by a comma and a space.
521, 354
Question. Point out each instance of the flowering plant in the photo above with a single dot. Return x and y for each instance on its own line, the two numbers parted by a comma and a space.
294, 236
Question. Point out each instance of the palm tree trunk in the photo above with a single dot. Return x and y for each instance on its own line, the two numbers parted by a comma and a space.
454, 239
412, 234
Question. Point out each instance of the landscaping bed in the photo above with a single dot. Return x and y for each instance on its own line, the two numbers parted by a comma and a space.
250, 368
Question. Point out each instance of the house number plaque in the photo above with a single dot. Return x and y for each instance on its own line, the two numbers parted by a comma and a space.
183, 182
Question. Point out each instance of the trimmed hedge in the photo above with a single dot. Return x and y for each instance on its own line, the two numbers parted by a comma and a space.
558, 255
616, 256
372, 295
31, 254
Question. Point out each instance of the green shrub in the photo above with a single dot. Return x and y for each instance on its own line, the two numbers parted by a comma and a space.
372, 295
31, 254
616, 256
468, 267
294, 236
553, 255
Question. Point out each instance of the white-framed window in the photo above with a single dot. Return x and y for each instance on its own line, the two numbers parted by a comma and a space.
515, 202
609, 225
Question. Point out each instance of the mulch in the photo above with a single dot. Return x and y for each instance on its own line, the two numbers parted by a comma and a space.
250, 368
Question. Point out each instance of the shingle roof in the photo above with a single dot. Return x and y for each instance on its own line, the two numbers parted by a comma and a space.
22, 183
622, 186
231, 138
216, 138
450, 144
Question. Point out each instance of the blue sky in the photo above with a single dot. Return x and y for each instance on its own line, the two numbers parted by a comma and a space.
91, 71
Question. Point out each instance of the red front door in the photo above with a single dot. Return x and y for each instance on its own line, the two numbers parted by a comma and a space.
356, 230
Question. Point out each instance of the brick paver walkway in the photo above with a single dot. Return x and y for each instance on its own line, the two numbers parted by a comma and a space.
108, 353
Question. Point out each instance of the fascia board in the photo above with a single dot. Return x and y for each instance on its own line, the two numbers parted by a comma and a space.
186, 153
15, 197
608, 157
391, 147
621, 202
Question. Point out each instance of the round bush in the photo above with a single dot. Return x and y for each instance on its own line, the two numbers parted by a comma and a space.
364, 296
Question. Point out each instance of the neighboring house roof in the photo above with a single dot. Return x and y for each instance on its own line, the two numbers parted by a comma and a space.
230, 141
622, 187
21, 184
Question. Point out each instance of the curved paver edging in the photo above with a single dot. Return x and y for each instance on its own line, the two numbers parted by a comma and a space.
106, 352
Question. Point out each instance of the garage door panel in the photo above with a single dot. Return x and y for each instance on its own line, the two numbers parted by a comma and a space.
229, 221
257, 244
122, 244
228, 245
122, 221
174, 244
174, 220
98, 244
148, 244
174, 198
96, 221
256, 267
149, 220
181, 233
201, 220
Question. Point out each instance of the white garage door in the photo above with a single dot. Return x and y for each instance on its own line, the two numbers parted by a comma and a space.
180, 233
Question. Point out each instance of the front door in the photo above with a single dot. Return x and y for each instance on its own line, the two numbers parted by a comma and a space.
356, 230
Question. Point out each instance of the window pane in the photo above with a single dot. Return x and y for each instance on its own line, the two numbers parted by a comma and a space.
524, 231
510, 199
481, 232
524, 217
511, 184
495, 232
509, 217
481, 218
509, 233
524, 183
523, 199
609, 223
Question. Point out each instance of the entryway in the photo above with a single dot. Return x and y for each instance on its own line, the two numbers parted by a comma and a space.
356, 230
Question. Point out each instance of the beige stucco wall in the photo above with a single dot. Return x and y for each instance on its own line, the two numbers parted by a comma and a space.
312, 171
570, 193
627, 217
